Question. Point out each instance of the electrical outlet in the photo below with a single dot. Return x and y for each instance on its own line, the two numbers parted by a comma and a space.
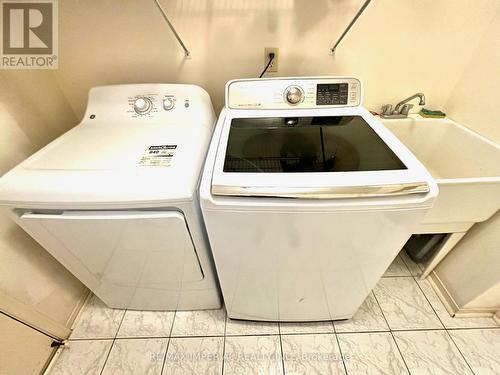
274, 65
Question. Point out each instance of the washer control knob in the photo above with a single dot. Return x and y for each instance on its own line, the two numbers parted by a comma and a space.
168, 104
142, 105
294, 95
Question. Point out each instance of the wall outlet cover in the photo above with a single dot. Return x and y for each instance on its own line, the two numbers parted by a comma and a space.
273, 68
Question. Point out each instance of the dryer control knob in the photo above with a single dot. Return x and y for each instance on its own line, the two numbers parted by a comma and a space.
142, 105
294, 95
168, 104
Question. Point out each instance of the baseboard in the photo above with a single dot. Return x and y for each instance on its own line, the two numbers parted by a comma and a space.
53, 359
78, 308
453, 308
443, 294
475, 313
77, 311
496, 317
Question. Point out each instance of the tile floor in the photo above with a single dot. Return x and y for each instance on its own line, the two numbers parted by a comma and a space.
401, 328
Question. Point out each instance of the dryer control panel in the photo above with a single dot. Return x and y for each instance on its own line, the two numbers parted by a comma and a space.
148, 103
288, 93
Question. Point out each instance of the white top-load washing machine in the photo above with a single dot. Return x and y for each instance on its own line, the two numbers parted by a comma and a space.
307, 198
115, 198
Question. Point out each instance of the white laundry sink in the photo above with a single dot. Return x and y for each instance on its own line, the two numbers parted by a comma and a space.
465, 165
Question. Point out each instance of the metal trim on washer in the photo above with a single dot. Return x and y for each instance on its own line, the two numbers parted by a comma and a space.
322, 192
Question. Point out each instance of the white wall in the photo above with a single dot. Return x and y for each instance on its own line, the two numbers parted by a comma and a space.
397, 47
33, 285
33, 110
471, 271
474, 100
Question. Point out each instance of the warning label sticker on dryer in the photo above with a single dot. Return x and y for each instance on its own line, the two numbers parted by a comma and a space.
158, 156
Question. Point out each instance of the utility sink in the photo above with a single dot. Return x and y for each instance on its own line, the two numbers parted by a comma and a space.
466, 167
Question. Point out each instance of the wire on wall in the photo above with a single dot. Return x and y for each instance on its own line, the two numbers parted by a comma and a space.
271, 58
186, 51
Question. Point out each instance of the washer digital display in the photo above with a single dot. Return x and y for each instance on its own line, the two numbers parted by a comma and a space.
331, 93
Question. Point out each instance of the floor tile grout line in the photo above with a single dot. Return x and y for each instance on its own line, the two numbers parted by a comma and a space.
362, 332
91, 339
416, 264
120, 325
453, 341
392, 330
467, 328
302, 333
384, 276
400, 352
433, 310
292, 333
224, 341
281, 346
392, 334
429, 302
463, 356
381, 310
252, 334
396, 276
340, 350
113, 342
107, 356
402, 260
289, 333
168, 342
282, 353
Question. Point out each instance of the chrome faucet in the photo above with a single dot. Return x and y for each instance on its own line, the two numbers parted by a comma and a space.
402, 108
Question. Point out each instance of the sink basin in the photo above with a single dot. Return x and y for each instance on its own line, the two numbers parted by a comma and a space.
466, 167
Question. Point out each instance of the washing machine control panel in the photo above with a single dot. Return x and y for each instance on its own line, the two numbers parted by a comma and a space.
294, 95
286, 93
332, 93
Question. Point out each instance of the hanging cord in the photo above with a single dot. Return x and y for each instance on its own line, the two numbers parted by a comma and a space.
186, 51
271, 58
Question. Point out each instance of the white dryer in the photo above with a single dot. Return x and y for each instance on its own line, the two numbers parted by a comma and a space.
115, 198
307, 198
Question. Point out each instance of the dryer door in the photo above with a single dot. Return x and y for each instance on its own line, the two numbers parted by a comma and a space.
130, 259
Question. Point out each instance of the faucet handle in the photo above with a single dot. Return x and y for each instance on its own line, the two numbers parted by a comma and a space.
422, 99
406, 108
387, 109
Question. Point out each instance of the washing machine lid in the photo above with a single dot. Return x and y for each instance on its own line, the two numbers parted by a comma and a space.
313, 153
103, 164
